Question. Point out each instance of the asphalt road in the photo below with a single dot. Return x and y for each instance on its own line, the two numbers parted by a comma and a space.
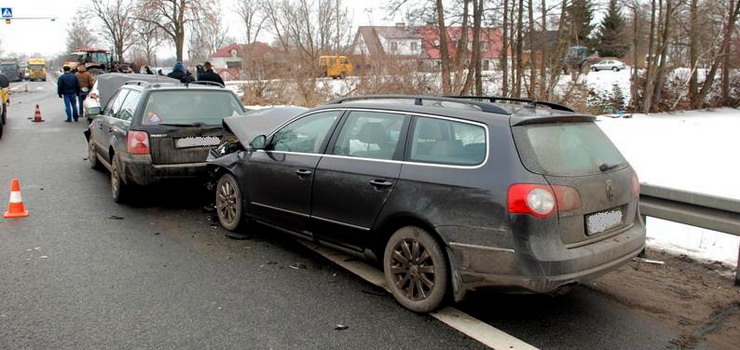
83, 272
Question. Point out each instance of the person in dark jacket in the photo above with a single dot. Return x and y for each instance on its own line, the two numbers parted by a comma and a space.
179, 73
68, 87
209, 75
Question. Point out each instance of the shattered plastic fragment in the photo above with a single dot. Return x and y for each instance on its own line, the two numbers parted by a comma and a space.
297, 266
113, 217
340, 327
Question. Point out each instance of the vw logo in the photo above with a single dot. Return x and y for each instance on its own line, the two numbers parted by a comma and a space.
609, 189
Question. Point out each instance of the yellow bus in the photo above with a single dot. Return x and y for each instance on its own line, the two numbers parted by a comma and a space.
336, 66
37, 69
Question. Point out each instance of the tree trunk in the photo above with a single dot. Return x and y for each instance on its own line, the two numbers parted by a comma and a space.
519, 50
461, 59
663, 52
505, 44
647, 90
443, 48
532, 90
635, 55
543, 60
179, 44
694, 49
478, 23
475, 57
726, 47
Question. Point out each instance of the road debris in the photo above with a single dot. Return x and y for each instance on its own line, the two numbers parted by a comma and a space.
113, 217
157, 233
43, 257
297, 266
372, 292
649, 261
236, 236
340, 327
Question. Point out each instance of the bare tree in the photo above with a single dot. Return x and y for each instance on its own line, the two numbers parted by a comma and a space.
118, 21
207, 36
173, 17
252, 19
148, 36
79, 36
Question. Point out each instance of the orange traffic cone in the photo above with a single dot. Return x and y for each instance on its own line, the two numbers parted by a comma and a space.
37, 115
16, 209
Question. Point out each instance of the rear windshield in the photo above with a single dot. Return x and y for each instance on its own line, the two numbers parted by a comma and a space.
566, 149
190, 107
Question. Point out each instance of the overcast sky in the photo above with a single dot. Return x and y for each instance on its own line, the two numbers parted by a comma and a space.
48, 38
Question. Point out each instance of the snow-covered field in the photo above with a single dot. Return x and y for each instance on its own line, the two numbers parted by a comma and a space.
695, 151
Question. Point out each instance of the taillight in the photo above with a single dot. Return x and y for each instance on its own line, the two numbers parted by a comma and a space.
138, 142
635, 184
542, 201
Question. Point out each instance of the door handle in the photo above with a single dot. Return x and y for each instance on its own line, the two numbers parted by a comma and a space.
381, 183
303, 172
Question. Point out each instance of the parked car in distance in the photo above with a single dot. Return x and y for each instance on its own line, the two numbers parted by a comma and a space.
148, 133
450, 195
608, 65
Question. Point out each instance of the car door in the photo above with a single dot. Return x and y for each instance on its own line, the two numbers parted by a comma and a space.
356, 176
279, 178
102, 123
121, 122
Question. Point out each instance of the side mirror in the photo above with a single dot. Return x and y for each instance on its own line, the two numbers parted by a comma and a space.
92, 112
259, 142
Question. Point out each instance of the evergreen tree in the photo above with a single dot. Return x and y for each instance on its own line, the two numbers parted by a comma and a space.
610, 42
579, 15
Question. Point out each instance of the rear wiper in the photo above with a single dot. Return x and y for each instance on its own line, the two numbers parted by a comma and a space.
606, 167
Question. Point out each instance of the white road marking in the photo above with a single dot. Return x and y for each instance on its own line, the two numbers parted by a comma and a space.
462, 322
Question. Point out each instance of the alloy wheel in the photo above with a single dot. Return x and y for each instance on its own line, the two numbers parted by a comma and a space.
413, 269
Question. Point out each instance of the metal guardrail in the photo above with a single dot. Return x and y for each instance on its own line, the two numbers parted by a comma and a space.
695, 209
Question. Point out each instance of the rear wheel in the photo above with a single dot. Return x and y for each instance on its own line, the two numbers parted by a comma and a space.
92, 156
119, 189
416, 270
229, 203
594, 69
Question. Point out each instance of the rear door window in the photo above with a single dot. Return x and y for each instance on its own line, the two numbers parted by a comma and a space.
446, 141
370, 135
566, 149
128, 107
114, 106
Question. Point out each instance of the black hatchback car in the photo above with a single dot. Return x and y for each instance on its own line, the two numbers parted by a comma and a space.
151, 132
449, 195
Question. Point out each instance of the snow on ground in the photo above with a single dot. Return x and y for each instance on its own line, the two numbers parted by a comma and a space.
694, 151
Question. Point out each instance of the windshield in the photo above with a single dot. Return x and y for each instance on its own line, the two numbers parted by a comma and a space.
190, 107
566, 149
9, 67
36, 67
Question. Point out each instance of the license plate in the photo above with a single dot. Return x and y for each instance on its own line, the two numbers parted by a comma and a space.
197, 142
603, 220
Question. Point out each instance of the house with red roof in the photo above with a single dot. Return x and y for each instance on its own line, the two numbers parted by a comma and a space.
421, 44
230, 60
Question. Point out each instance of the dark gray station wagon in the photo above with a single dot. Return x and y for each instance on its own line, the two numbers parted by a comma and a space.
448, 195
153, 132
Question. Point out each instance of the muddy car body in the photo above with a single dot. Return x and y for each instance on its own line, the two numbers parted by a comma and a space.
450, 195
149, 133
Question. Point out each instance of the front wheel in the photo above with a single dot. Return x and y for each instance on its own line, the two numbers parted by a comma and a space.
416, 269
229, 203
616, 69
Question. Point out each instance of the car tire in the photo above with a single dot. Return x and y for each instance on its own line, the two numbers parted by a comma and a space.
616, 69
229, 205
119, 190
416, 269
594, 69
92, 157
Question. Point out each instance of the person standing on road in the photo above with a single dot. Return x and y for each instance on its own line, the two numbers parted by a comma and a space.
209, 75
86, 83
178, 72
68, 87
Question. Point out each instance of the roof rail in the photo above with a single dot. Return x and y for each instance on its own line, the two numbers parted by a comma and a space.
418, 100
137, 82
205, 82
530, 102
